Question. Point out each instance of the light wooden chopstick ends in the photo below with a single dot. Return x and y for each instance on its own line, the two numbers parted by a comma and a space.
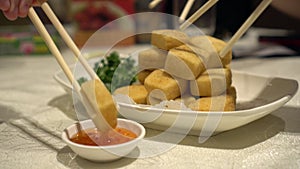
186, 10
52, 47
197, 14
68, 40
255, 14
154, 3
92, 108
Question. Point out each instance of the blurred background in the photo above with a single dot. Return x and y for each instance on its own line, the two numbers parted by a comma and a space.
279, 24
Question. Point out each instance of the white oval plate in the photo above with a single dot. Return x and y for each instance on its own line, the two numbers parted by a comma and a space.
257, 96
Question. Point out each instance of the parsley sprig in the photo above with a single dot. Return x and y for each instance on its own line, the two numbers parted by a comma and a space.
115, 71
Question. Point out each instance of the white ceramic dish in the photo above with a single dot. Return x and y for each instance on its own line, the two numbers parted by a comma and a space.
104, 153
257, 96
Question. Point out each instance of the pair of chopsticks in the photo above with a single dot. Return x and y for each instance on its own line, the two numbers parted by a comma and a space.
186, 8
205, 7
96, 117
66, 37
245, 26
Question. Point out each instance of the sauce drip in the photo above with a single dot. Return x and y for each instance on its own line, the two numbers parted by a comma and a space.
94, 137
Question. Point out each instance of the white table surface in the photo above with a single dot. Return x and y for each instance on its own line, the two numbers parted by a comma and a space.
34, 110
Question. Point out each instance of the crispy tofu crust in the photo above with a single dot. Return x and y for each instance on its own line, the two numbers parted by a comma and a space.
167, 39
152, 58
170, 86
225, 102
183, 64
218, 45
137, 93
142, 75
101, 99
212, 82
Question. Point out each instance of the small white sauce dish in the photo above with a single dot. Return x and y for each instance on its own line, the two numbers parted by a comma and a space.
103, 153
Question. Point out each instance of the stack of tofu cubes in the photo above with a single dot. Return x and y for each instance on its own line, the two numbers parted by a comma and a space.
184, 69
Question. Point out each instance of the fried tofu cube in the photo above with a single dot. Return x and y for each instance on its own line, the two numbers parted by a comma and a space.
152, 58
207, 42
142, 75
183, 64
225, 102
167, 39
102, 102
155, 100
137, 93
212, 82
172, 87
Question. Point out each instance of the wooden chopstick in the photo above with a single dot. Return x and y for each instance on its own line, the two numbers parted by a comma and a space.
186, 10
154, 3
197, 14
94, 114
68, 40
245, 26
52, 47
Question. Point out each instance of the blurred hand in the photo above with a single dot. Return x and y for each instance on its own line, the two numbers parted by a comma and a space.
12, 9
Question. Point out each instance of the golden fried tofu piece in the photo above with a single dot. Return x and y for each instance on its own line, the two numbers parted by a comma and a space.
225, 102
167, 39
205, 42
212, 82
137, 93
101, 100
152, 58
142, 75
219, 45
152, 100
171, 87
183, 64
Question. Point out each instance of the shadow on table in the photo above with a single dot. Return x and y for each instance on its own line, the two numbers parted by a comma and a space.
51, 139
68, 158
65, 104
285, 119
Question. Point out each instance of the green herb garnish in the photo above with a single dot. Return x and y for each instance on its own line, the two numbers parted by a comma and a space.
114, 71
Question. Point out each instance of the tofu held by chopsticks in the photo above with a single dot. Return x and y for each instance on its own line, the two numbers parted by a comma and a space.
101, 100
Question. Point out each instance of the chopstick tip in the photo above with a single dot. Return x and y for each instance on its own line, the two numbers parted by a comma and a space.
181, 20
151, 5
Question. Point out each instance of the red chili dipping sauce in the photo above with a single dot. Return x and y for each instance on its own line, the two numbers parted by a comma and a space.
94, 137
